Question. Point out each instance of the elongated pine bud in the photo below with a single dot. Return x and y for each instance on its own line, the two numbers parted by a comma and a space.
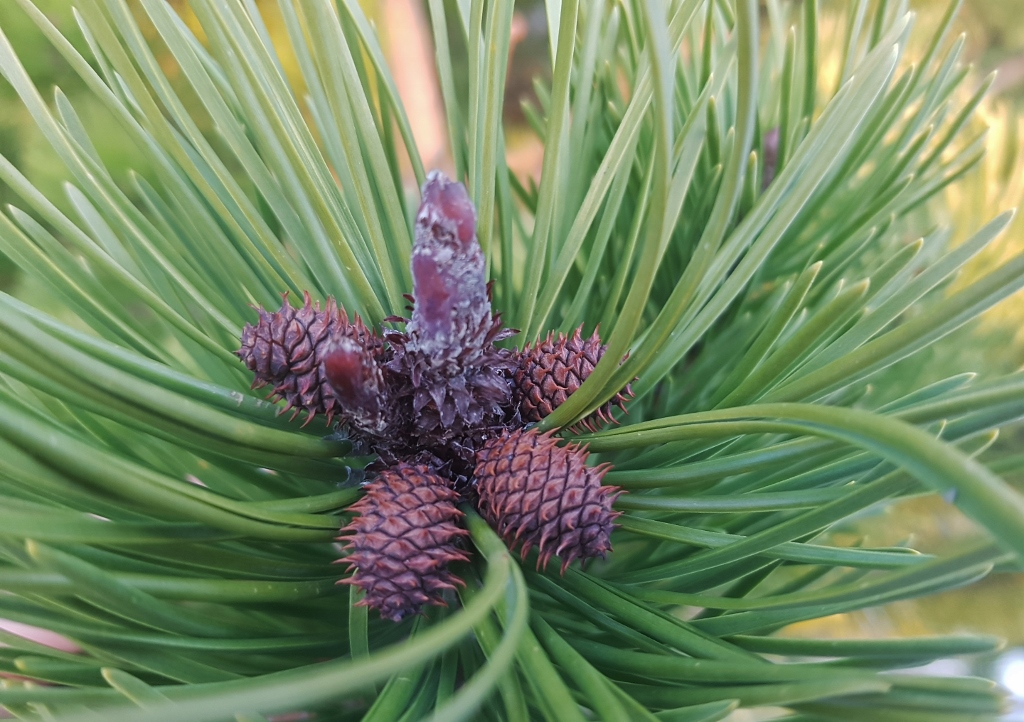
456, 382
452, 313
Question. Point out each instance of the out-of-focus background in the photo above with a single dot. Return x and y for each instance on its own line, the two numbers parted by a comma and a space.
994, 42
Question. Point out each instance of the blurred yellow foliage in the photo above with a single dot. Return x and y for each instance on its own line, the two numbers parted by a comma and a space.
995, 185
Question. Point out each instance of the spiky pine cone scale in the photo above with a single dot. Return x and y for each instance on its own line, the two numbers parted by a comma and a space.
402, 541
536, 493
550, 371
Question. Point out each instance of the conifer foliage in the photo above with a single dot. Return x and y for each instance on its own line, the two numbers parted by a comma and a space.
745, 205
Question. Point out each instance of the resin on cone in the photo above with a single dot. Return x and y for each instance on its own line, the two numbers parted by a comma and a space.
536, 493
402, 541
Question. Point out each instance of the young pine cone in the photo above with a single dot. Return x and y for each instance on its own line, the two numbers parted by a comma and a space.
551, 370
285, 350
403, 540
536, 493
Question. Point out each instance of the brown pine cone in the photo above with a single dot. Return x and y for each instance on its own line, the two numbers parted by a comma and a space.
552, 369
285, 350
403, 540
536, 493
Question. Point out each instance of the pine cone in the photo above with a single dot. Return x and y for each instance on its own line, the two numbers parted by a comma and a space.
285, 350
403, 540
551, 370
537, 493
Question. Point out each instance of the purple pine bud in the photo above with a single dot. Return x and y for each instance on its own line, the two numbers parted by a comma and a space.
357, 381
452, 313
449, 203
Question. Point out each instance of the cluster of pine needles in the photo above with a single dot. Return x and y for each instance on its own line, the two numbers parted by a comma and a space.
761, 247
